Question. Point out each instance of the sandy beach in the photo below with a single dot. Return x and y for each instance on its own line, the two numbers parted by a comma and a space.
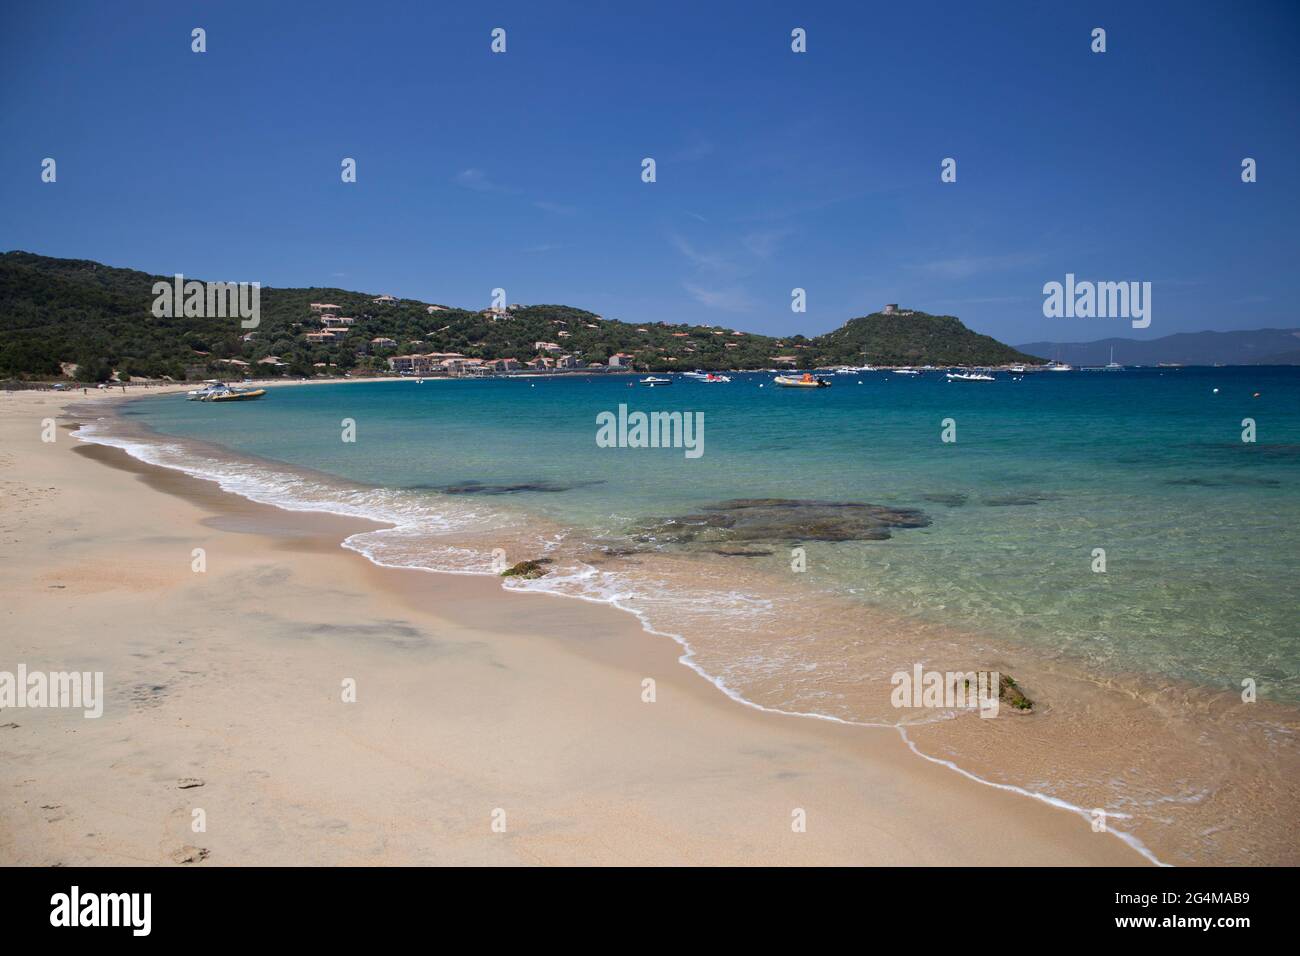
473, 707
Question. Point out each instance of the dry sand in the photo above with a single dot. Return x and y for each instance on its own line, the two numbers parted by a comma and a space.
473, 704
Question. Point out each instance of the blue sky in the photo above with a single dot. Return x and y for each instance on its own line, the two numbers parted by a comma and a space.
775, 170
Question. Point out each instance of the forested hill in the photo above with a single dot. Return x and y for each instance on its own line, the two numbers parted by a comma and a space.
55, 313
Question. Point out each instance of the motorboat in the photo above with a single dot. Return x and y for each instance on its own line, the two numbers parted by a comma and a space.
221, 392
807, 380
199, 394
970, 377
650, 381
906, 371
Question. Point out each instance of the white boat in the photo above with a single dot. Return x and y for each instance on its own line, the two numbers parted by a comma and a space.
199, 394
1018, 369
650, 381
970, 377
221, 392
712, 379
1059, 367
1112, 365
906, 371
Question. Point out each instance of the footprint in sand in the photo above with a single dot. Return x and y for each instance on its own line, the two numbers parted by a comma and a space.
189, 854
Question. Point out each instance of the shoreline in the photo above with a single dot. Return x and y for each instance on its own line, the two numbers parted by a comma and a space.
1053, 837
687, 656
1194, 758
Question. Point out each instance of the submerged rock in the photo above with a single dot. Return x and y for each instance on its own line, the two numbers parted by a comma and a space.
1227, 481
1029, 498
740, 551
480, 488
1009, 693
779, 519
527, 569
955, 500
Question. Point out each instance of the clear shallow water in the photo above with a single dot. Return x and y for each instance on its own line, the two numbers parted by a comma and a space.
1200, 529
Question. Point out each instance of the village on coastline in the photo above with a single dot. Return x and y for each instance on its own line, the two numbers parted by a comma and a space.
550, 358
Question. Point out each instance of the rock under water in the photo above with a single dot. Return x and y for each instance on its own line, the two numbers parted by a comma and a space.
1028, 498
1226, 481
954, 500
483, 488
779, 520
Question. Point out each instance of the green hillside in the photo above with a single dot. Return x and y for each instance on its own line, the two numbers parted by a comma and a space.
57, 311
914, 339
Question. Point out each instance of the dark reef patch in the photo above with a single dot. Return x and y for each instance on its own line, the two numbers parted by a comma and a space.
728, 523
484, 488
1226, 481
955, 500
1019, 500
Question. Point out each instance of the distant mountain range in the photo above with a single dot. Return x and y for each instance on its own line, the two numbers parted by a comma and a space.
1254, 347
56, 313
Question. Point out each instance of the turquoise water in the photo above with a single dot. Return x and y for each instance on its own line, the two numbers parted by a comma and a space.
1199, 528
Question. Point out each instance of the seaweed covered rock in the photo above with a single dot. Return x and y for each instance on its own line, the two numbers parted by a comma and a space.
1009, 693
527, 569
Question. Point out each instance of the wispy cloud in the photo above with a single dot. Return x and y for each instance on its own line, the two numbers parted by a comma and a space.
764, 243
478, 180
711, 262
720, 273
